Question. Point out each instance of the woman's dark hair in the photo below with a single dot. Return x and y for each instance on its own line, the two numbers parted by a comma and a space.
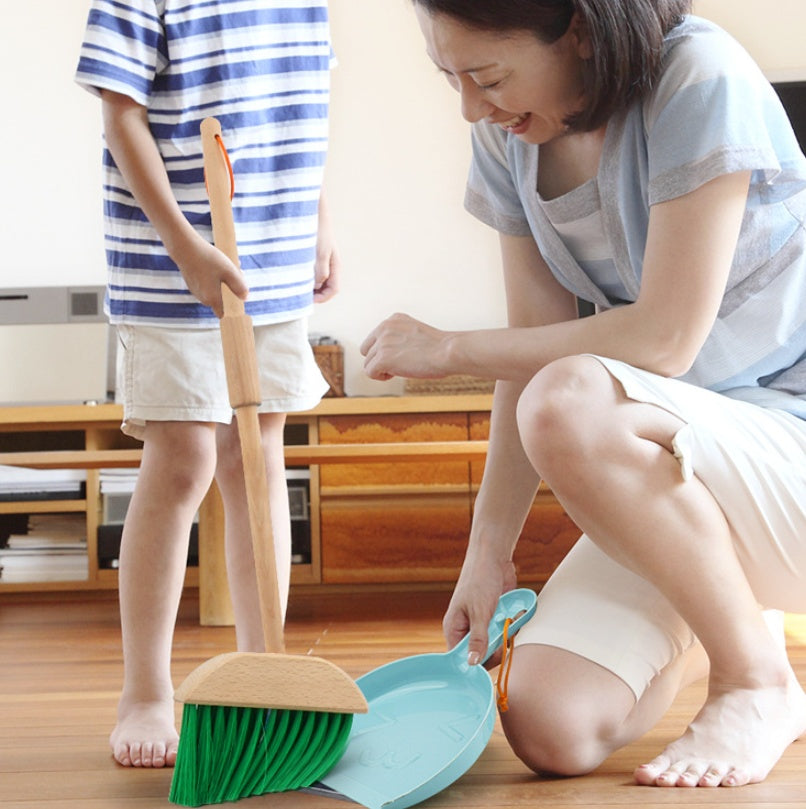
626, 39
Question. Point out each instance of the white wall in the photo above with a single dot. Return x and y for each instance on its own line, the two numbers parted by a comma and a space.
50, 146
399, 156
398, 162
773, 32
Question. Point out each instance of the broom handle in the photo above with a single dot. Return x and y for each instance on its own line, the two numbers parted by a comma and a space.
240, 362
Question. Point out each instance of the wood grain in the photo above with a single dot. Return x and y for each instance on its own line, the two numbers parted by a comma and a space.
60, 671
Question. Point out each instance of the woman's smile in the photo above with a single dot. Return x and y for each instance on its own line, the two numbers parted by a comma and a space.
498, 73
517, 124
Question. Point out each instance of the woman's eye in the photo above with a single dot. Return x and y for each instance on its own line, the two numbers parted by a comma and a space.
490, 85
450, 78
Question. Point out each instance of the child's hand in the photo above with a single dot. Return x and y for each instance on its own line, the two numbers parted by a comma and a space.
327, 267
327, 272
205, 268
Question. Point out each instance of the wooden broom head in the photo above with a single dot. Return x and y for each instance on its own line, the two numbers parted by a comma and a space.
265, 680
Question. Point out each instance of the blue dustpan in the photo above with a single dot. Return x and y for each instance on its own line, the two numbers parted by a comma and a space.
430, 717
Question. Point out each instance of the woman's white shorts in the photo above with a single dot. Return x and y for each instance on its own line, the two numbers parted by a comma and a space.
753, 461
168, 374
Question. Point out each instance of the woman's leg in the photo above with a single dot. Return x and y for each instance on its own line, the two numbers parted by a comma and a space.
610, 654
610, 462
176, 471
240, 559
580, 713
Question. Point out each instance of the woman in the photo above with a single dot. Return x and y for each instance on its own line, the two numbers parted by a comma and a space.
634, 157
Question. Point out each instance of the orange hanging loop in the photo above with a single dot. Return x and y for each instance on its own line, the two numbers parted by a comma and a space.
502, 682
220, 142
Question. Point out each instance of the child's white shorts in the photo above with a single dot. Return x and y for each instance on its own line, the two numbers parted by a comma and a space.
753, 461
169, 374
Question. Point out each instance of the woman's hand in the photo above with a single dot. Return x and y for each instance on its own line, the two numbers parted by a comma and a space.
403, 346
474, 601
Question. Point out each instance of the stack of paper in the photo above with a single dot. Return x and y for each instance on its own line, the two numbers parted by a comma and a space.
54, 548
20, 483
117, 481
117, 486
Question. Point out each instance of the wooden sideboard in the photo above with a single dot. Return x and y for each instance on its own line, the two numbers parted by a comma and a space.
392, 485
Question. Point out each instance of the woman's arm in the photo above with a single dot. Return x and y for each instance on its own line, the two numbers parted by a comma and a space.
690, 246
129, 139
509, 484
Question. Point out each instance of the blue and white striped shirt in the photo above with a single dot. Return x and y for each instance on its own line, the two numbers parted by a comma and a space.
712, 112
262, 67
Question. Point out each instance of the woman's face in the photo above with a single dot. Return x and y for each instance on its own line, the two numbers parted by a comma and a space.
513, 80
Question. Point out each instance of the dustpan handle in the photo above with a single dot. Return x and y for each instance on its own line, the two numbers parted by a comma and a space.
517, 605
243, 384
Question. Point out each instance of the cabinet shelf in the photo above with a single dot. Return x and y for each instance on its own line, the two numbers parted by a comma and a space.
402, 490
42, 506
391, 491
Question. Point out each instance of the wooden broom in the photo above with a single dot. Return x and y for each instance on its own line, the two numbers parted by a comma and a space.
255, 722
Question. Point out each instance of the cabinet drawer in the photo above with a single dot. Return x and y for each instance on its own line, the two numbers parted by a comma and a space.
397, 428
420, 538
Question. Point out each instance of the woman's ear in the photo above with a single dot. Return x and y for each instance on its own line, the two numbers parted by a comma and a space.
578, 29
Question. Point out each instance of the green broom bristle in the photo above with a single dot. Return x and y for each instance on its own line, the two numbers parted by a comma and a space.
229, 753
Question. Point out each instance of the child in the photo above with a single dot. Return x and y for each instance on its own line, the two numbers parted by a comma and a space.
160, 66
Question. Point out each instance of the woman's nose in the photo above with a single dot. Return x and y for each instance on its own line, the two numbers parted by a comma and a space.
474, 106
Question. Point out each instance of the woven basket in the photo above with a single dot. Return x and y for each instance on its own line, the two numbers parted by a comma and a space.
458, 383
330, 359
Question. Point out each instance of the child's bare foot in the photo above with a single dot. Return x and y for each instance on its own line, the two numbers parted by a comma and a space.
736, 739
145, 735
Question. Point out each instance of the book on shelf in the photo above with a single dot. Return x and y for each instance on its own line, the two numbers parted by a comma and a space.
23, 566
117, 481
21, 483
52, 547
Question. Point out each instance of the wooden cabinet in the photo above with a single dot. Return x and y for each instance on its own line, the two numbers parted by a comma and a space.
392, 521
31, 433
89, 437
383, 508
409, 522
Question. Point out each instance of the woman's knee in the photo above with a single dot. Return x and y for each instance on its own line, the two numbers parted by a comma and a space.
557, 741
555, 410
571, 720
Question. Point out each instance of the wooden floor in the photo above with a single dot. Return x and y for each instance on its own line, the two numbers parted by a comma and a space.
60, 670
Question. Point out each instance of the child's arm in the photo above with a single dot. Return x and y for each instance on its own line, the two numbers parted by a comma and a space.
328, 263
129, 139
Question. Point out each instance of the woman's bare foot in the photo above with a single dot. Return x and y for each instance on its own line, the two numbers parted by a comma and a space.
736, 739
145, 735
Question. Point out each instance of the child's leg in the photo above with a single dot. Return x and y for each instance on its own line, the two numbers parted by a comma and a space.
240, 560
176, 471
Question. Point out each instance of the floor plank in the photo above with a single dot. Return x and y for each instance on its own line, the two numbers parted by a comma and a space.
60, 671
